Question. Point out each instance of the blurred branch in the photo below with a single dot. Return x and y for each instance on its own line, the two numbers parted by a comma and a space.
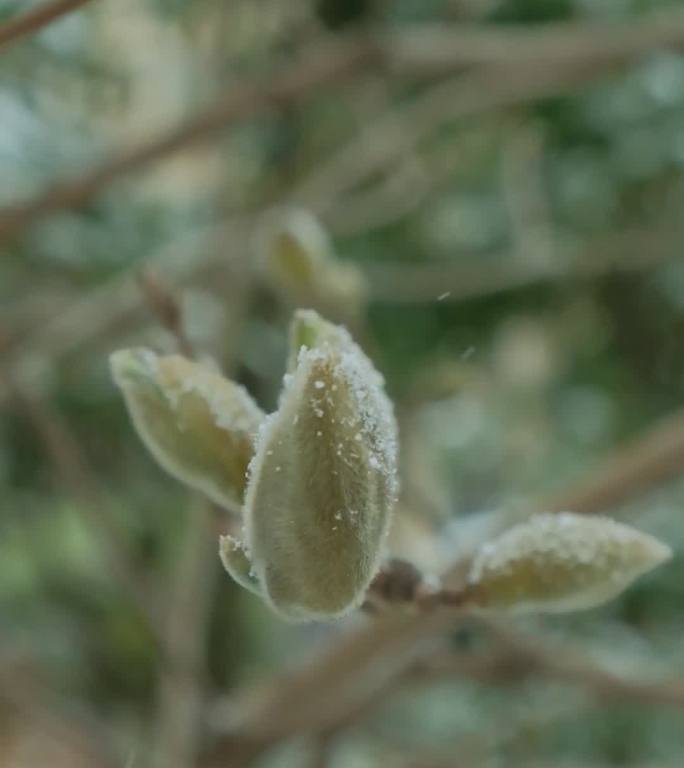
358, 674
115, 305
71, 466
386, 139
518, 656
383, 141
430, 49
53, 725
181, 685
654, 458
313, 699
322, 66
514, 67
498, 82
650, 460
34, 20
630, 251
166, 309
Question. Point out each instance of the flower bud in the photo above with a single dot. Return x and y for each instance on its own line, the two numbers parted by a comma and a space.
555, 563
300, 262
323, 480
197, 424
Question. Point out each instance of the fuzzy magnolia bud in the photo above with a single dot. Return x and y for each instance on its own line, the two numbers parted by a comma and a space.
300, 262
323, 480
198, 425
555, 563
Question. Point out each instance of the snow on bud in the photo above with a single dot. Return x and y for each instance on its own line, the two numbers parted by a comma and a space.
323, 481
197, 424
300, 262
555, 563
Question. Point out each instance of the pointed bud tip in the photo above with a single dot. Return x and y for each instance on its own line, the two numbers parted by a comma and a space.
199, 426
306, 330
661, 553
133, 364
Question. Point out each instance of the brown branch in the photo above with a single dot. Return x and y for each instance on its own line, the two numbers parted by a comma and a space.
358, 674
166, 308
115, 305
632, 251
650, 460
326, 65
314, 699
519, 656
512, 68
51, 723
181, 687
430, 49
182, 681
501, 82
387, 138
34, 20
71, 466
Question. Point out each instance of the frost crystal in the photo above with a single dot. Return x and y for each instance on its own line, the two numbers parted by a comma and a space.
561, 562
319, 500
198, 425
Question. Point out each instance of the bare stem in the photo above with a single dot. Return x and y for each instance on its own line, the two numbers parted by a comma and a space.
78, 478
34, 20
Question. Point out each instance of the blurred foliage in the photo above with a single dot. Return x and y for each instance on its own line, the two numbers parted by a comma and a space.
505, 392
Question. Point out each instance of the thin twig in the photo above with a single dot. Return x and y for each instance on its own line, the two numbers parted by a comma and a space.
166, 309
34, 20
115, 305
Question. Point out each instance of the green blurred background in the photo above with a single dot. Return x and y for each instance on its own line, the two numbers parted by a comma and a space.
523, 294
